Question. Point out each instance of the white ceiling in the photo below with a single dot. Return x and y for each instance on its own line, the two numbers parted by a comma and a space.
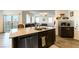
33, 12
37, 12
10, 12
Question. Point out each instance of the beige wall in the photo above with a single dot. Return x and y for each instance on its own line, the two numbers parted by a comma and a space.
20, 19
57, 13
75, 18
1, 23
76, 24
22, 16
9, 13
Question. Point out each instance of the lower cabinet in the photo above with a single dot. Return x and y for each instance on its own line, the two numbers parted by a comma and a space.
67, 32
42, 39
42, 36
50, 37
30, 41
34, 41
46, 38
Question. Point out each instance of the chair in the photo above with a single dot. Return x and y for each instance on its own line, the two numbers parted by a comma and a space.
44, 25
20, 26
30, 25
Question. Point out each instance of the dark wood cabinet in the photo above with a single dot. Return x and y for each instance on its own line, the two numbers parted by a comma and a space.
42, 36
67, 32
35, 40
50, 37
30, 41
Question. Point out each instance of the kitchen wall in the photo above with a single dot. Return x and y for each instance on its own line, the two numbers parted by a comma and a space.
22, 16
24, 13
43, 20
74, 18
1, 22
57, 14
9, 12
76, 24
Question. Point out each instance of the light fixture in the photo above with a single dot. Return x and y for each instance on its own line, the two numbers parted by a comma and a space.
44, 14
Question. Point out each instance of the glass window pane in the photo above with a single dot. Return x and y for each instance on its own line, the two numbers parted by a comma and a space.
15, 21
50, 20
10, 22
28, 19
33, 20
37, 19
7, 23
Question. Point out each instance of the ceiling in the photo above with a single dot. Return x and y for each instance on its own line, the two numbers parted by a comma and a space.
33, 12
37, 12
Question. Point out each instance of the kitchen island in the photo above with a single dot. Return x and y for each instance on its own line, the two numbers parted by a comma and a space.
32, 38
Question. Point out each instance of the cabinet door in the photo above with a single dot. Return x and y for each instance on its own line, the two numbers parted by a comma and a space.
24, 42
42, 37
67, 32
30, 41
63, 31
18, 42
21, 43
50, 37
34, 41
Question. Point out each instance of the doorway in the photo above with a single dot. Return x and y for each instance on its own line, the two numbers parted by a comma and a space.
10, 22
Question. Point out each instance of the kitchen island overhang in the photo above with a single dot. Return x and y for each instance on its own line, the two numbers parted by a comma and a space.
32, 38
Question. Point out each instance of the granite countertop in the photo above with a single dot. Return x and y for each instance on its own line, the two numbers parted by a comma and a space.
26, 31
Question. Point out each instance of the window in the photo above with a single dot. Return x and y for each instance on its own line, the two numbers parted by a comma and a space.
33, 20
50, 20
10, 22
28, 19
37, 19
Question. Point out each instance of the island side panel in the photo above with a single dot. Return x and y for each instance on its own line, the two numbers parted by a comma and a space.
26, 41
51, 37
34, 40
42, 39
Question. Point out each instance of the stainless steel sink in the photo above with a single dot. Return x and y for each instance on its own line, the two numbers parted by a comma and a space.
40, 28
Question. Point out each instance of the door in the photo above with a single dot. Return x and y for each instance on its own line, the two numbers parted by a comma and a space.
10, 22
15, 20
7, 23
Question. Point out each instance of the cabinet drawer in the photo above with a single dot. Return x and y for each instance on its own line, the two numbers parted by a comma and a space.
67, 31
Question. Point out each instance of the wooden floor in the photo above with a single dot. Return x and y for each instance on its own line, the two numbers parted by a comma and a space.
66, 42
6, 42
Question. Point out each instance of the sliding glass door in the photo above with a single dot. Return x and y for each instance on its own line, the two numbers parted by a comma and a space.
15, 21
10, 22
7, 23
